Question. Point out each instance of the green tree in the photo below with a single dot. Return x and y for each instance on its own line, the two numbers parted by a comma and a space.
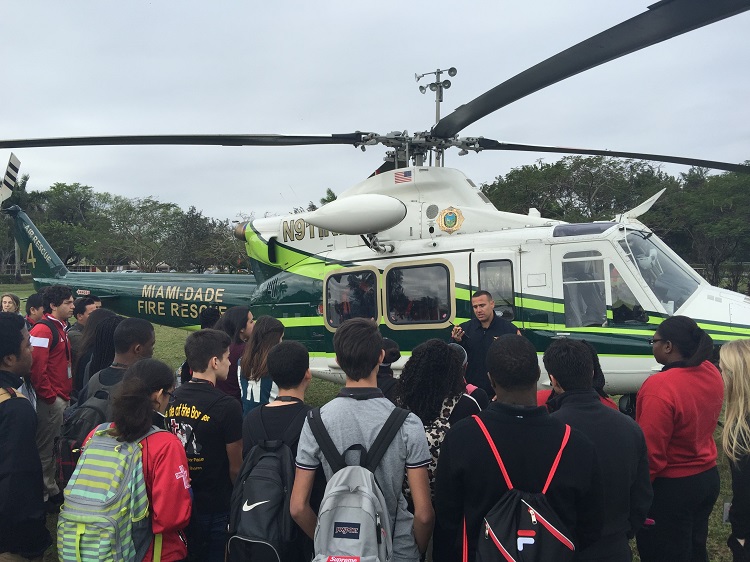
329, 196
715, 213
142, 230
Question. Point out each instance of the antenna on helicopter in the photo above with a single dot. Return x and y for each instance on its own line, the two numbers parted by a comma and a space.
437, 86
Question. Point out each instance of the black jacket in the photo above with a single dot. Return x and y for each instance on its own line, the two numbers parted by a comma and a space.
468, 481
22, 513
476, 342
623, 458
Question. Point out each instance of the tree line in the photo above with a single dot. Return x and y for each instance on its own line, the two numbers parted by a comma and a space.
110, 231
702, 216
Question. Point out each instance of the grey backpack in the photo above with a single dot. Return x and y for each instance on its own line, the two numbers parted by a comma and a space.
353, 520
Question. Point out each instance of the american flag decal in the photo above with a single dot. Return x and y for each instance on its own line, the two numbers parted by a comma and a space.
402, 177
11, 174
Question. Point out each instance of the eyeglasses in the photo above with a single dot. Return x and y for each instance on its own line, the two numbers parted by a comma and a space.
652, 341
171, 396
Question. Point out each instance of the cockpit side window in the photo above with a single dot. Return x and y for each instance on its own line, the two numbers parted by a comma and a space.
496, 277
670, 281
583, 289
625, 307
351, 294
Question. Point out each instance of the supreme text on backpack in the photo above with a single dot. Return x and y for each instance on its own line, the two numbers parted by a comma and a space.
105, 515
353, 520
522, 526
94, 412
261, 527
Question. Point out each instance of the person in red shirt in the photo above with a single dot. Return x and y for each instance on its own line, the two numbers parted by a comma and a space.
678, 409
51, 378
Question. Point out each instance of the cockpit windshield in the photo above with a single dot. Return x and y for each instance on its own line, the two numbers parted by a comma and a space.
670, 281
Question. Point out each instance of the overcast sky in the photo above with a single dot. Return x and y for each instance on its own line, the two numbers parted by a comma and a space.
116, 68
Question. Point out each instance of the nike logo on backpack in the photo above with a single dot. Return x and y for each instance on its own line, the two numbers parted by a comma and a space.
253, 506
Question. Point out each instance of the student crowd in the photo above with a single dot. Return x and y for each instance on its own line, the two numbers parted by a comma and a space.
475, 436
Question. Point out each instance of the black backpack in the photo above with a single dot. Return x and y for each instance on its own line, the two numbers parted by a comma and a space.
261, 527
83, 419
523, 526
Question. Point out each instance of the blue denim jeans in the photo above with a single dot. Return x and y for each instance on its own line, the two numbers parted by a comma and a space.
213, 529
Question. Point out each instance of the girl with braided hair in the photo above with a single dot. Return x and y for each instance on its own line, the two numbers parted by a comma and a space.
678, 409
432, 386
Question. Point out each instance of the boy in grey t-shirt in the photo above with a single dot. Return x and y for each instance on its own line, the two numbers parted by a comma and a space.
355, 416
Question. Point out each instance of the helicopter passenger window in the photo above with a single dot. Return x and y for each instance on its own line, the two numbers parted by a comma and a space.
352, 294
418, 294
496, 277
583, 290
625, 307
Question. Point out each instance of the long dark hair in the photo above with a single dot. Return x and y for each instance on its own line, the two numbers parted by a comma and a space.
598, 381
132, 407
104, 343
232, 322
433, 373
88, 337
266, 334
694, 344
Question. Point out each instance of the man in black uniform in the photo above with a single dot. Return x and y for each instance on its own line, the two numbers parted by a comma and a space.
23, 535
476, 336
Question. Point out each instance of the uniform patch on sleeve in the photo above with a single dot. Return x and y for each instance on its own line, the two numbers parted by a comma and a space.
38, 342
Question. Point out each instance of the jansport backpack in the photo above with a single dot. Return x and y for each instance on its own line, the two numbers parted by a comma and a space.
261, 527
353, 520
523, 526
105, 515
94, 412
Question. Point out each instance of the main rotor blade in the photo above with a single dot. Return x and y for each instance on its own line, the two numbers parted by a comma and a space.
663, 20
489, 144
218, 140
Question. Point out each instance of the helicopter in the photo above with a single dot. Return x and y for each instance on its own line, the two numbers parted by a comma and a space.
409, 245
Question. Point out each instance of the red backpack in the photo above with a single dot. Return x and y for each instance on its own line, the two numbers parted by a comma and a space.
522, 526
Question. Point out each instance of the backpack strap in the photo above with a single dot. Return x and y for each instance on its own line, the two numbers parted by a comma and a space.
327, 447
6, 393
390, 428
292, 433
258, 430
552, 471
52, 328
508, 483
557, 459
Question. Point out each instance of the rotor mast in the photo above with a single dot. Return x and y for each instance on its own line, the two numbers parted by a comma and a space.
437, 86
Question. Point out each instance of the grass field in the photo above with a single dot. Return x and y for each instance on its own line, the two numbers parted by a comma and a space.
169, 348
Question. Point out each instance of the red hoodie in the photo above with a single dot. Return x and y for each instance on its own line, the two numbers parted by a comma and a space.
51, 370
678, 409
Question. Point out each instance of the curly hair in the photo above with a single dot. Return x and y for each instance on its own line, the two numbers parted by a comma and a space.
433, 373
267, 333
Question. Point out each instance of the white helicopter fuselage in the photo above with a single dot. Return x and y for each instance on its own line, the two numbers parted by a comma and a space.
413, 244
